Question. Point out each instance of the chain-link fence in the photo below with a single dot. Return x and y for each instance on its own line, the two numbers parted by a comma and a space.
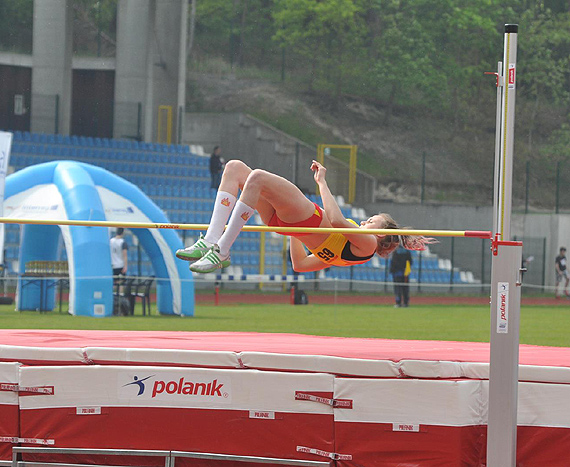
473, 257
537, 187
542, 186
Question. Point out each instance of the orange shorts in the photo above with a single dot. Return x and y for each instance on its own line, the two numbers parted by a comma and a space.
313, 221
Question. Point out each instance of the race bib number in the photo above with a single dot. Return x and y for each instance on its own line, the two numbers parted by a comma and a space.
326, 255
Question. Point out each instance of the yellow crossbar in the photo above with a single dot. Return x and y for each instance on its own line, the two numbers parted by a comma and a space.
251, 228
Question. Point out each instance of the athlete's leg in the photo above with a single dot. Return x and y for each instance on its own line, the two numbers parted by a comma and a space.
269, 194
233, 178
290, 204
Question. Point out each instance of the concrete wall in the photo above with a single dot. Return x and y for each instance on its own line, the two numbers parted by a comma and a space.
258, 145
427, 216
169, 59
262, 146
151, 65
131, 80
205, 129
51, 76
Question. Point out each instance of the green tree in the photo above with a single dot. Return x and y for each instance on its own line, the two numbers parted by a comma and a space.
16, 18
213, 26
236, 29
467, 32
322, 32
544, 60
558, 145
404, 66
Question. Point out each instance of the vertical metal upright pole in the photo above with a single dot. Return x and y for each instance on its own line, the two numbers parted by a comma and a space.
505, 285
503, 375
497, 146
507, 133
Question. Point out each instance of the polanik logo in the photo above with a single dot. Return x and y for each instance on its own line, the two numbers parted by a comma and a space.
503, 308
178, 387
139, 383
189, 387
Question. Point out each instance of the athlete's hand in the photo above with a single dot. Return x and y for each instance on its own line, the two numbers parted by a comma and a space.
319, 171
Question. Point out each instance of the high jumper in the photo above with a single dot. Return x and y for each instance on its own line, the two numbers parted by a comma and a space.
281, 204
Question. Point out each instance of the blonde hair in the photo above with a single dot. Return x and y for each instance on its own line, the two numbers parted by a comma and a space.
387, 244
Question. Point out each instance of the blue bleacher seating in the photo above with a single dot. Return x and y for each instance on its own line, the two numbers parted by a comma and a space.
179, 182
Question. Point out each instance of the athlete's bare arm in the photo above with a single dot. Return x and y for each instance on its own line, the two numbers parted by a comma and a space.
361, 245
301, 261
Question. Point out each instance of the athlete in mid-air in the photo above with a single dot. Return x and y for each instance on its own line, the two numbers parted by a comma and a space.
281, 204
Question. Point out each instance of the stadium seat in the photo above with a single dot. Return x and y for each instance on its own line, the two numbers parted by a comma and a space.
456, 277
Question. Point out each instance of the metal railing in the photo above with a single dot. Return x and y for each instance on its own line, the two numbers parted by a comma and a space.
169, 457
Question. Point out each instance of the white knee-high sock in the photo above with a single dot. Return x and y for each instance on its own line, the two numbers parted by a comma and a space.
240, 215
223, 206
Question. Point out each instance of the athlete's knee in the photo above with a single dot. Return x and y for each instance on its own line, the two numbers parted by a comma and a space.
237, 171
257, 177
236, 165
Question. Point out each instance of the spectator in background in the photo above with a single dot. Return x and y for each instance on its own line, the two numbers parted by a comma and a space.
216, 167
400, 268
561, 272
119, 248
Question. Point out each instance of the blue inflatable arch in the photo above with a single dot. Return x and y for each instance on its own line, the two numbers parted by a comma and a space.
78, 191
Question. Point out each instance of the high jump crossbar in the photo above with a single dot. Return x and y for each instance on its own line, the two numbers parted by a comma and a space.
251, 228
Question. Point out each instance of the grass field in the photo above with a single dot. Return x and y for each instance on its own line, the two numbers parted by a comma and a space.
540, 325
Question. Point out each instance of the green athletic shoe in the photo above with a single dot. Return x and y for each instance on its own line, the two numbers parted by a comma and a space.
196, 251
211, 261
